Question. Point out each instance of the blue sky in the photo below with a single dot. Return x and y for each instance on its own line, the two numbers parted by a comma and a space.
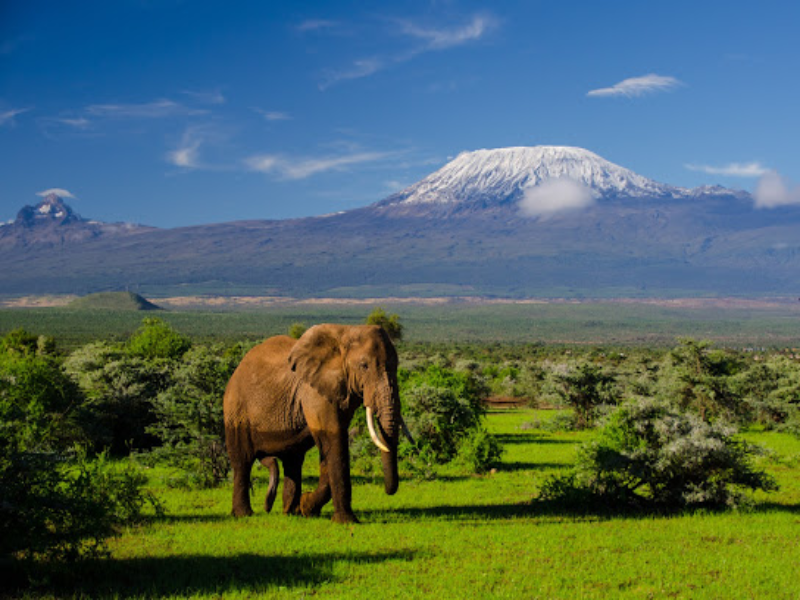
175, 113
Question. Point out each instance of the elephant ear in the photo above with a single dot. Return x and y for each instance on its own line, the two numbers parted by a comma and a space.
317, 359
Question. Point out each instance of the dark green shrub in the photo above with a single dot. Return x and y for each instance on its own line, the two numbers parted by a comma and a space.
188, 416
652, 454
585, 388
55, 501
119, 390
702, 380
157, 339
296, 330
479, 451
390, 323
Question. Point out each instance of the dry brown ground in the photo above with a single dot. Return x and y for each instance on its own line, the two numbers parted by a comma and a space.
234, 302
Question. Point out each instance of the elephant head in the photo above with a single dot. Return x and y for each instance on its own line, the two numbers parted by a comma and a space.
347, 363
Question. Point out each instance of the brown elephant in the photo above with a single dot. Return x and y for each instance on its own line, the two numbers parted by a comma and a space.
288, 395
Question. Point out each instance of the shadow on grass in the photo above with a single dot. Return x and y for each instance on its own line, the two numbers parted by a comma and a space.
529, 466
495, 512
252, 574
531, 438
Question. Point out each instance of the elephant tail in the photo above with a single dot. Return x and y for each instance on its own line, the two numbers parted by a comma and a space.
274, 474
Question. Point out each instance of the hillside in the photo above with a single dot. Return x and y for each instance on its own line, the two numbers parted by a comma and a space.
113, 301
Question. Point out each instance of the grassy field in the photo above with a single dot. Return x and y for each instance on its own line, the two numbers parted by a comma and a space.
776, 325
460, 537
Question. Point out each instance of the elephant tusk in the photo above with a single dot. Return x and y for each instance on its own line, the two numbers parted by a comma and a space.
372, 434
406, 432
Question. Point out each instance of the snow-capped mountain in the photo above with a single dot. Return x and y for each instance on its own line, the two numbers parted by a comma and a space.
525, 222
53, 222
505, 174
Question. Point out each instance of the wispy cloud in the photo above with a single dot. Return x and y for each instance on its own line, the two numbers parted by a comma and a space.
425, 39
208, 97
774, 191
7, 117
187, 153
442, 38
317, 25
157, 109
302, 168
359, 69
60, 192
273, 115
751, 169
638, 86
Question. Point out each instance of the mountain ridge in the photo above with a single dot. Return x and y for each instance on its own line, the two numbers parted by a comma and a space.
707, 241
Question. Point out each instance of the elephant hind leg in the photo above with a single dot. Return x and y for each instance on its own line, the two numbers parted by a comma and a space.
271, 463
241, 488
292, 483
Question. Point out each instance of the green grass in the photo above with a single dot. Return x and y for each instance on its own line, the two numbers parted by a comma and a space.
600, 324
460, 537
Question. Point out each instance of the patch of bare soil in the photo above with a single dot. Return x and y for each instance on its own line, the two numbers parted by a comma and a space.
496, 402
37, 301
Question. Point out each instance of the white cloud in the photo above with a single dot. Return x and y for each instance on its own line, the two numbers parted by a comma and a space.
77, 123
773, 191
638, 86
432, 39
751, 169
359, 69
7, 116
555, 196
212, 97
61, 193
439, 39
273, 115
302, 168
316, 25
149, 110
185, 156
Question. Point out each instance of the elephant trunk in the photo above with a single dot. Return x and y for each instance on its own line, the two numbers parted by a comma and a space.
387, 401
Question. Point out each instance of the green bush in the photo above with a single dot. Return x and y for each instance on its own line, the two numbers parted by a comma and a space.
390, 323
585, 388
58, 506
56, 502
188, 416
652, 454
119, 390
157, 339
479, 451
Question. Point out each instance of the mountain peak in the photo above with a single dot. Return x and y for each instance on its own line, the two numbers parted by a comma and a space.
52, 209
505, 173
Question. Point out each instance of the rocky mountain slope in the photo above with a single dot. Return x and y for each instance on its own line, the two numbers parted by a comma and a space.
466, 229
52, 222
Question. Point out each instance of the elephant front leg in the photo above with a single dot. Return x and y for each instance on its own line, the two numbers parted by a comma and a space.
334, 480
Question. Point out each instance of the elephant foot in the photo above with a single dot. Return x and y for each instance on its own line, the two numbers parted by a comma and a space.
242, 512
308, 506
344, 518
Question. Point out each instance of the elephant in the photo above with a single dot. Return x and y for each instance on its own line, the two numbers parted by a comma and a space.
288, 395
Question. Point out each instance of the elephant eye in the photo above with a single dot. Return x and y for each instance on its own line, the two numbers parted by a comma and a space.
364, 366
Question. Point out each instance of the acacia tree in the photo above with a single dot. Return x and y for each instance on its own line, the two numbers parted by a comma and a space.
390, 323
585, 388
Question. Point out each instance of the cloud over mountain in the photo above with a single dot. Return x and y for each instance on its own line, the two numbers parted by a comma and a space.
555, 196
774, 191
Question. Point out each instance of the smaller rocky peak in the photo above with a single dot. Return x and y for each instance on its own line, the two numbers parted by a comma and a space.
51, 210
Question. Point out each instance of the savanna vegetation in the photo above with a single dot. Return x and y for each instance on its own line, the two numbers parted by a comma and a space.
621, 472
